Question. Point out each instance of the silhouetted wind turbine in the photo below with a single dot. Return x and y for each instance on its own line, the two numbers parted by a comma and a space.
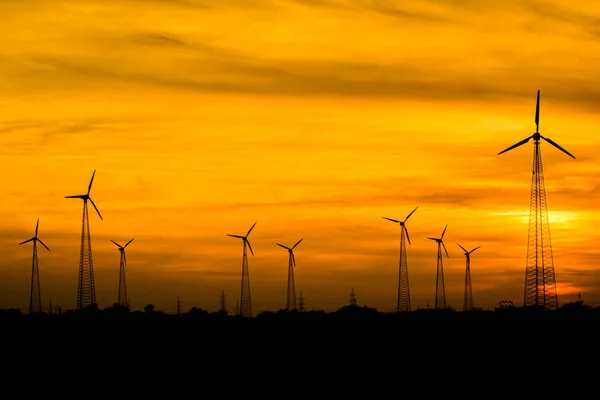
35, 296
540, 281
403, 301
122, 299
245, 299
440, 288
86, 288
290, 303
468, 304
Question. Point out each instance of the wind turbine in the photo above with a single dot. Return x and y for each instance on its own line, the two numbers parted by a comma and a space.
35, 296
440, 288
290, 303
245, 309
86, 287
468, 304
122, 299
403, 301
540, 281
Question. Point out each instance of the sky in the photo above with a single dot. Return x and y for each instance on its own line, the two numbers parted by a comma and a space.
313, 117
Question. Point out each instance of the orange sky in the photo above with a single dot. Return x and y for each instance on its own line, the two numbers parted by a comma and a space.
314, 118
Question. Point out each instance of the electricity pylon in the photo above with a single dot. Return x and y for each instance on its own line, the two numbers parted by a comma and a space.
223, 305
35, 296
540, 280
290, 302
122, 299
468, 304
86, 286
245, 299
440, 287
403, 301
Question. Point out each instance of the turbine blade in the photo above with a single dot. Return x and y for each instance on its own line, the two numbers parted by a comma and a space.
537, 113
522, 142
553, 143
236, 236
26, 241
444, 246
474, 249
42, 243
79, 196
96, 208
389, 219
297, 243
118, 245
411, 213
462, 248
293, 259
250, 247
124, 258
285, 247
443, 233
431, 238
250, 230
406, 231
91, 181
128, 243
36, 227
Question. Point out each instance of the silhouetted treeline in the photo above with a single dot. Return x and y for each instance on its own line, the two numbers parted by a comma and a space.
121, 313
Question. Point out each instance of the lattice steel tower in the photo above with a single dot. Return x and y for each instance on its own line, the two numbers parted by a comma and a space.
35, 296
468, 304
352, 297
86, 287
223, 305
290, 302
403, 301
301, 302
540, 280
122, 299
245, 299
440, 287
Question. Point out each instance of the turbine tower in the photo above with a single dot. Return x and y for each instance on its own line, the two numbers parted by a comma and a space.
468, 304
35, 297
245, 299
86, 287
440, 288
122, 300
540, 281
290, 303
403, 301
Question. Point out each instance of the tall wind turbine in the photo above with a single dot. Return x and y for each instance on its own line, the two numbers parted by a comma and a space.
403, 302
540, 281
86, 287
468, 304
35, 296
440, 288
245, 309
290, 303
122, 300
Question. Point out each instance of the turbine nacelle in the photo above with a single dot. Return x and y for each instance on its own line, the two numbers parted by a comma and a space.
537, 136
245, 238
86, 197
403, 223
35, 239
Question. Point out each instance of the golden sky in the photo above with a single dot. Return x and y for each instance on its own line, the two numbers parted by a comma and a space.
314, 118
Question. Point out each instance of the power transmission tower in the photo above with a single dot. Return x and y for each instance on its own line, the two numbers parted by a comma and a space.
301, 302
178, 306
50, 307
223, 307
352, 297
